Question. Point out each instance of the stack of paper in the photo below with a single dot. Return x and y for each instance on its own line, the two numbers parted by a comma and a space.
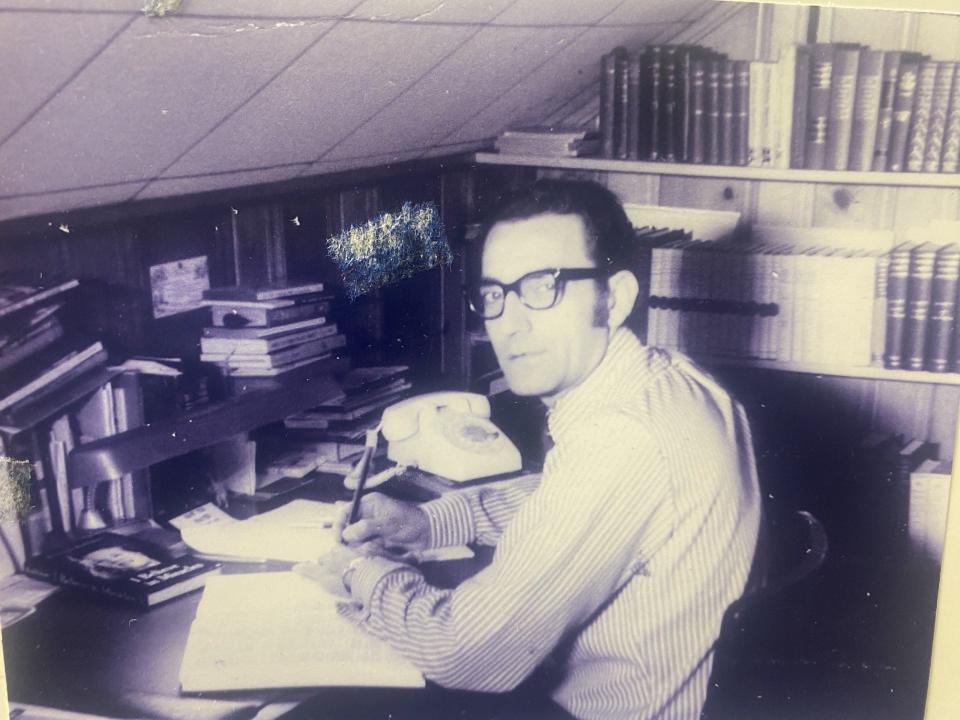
274, 630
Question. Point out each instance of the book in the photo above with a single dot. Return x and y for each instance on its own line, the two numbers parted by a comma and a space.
122, 567
903, 110
916, 147
669, 122
30, 343
278, 359
943, 308
898, 272
793, 69
927, 507
633, 105
304, 373
866, 110
70, 365
360, 379
265, 345
888, 93
919, 285
758, 104
266, 292
650, 132
818, 105
621, 104
15, 296
940, 107
608, 91
547, 140
263, 313
713, 109
727, 121
843, 86
302, 639
266, 333
951, 136
741, 106
696, 110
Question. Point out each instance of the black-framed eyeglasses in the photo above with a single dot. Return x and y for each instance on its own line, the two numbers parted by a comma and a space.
538, 290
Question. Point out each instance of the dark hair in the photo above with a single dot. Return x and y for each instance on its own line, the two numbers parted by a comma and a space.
610, 238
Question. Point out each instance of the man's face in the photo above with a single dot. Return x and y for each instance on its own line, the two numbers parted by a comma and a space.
544, 352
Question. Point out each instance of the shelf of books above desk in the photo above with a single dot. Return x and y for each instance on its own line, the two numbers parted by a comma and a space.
732, 172
867, 372
126, 452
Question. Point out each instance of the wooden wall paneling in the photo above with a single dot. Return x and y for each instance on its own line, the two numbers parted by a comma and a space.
457, 190
634, 188
853, 206
784, 203
223, 256
706, 193
258, 242
943, 418
597, 176
918, 206
880, 29
305, 241
938, 35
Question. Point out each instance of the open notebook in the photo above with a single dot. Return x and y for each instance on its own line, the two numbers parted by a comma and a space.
279, 630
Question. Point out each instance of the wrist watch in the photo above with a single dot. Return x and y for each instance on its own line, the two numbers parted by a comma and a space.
349, 570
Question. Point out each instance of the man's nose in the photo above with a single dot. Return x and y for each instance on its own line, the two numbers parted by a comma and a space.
515, 317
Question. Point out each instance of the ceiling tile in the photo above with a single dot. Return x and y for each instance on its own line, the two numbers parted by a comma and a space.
158, 88
59, 202
346, 78
462, 86
657, 11
125, 7
551, 12
267, 8
166, 187
455, 11
45, 49
548, 86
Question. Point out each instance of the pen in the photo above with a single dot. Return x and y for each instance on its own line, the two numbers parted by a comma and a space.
361, 470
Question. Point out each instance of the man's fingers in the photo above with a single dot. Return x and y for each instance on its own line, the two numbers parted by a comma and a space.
365, 529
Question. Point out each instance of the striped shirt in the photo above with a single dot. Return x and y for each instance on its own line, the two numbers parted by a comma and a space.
618, 563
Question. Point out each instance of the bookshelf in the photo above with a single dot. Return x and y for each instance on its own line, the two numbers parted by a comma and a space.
730, 172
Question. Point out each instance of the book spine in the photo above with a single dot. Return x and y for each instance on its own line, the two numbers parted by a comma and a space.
742, 113
888, 94
713, 111
842, 90
946, 72
608, 82
687, 57
621, 131
919, 284
249, 346
698, 133
669, 116
879, 330
771, 114
818, 105
920, 121
866, 108
633, 106
755, 124
653, 61
951, 136
897, 274
902, 111
943, 307
797, 136
224, 315
727, 123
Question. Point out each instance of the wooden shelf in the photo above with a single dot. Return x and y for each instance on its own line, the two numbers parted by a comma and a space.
113, 457
870, 372
730, 172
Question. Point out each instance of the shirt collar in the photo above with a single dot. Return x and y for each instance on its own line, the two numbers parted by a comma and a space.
626, 365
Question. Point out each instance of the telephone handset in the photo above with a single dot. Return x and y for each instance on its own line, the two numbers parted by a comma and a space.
448, 434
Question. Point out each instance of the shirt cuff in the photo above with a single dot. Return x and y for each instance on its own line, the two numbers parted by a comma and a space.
368, 574
451, 520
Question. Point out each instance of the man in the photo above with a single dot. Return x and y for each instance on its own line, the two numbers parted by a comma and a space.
615, 567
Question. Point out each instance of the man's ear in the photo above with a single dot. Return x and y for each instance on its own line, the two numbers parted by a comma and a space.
621, 297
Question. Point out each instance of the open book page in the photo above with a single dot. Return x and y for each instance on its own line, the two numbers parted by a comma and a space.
274, 630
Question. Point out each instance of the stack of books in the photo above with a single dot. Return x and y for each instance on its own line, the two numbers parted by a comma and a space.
548, 141
269, 332
37, 354
829, 106
336, 429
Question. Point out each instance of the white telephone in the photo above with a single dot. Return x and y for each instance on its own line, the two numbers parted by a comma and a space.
448, 434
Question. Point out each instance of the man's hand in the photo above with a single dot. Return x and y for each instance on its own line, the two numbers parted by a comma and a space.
328, 569
386, 527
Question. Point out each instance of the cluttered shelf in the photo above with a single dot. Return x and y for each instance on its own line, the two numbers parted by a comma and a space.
732, 172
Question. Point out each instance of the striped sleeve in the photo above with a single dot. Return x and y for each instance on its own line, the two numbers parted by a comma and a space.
600, 512
477, 514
